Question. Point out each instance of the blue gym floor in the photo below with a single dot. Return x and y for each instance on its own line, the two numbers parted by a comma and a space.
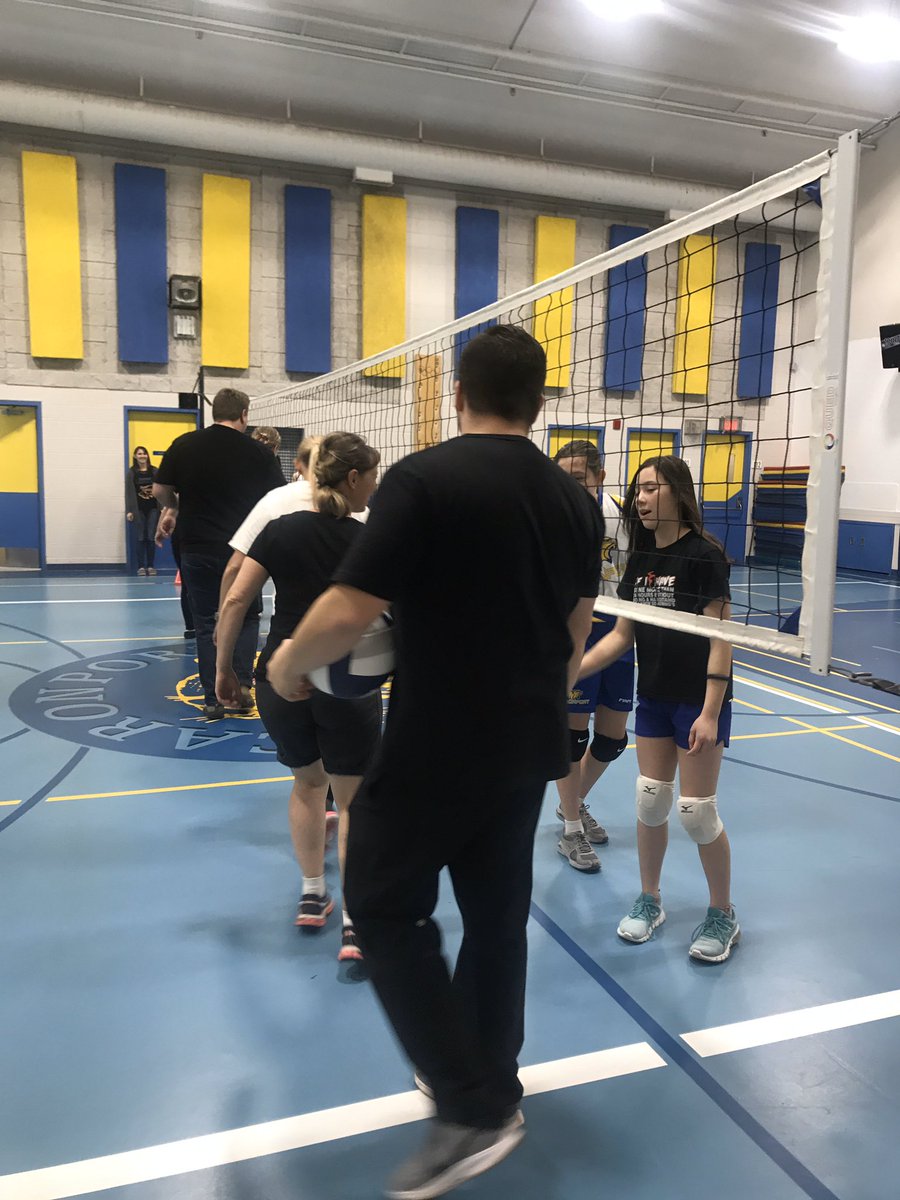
154, 989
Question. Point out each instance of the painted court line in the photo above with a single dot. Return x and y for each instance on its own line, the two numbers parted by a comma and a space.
773, 691
879, 725
101, 600
293, 1133
766, 1031
180, 787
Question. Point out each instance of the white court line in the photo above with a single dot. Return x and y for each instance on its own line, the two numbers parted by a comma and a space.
765, 1031
889, 649
292, 1133
773, 691
115, 600
172, 637
877, 725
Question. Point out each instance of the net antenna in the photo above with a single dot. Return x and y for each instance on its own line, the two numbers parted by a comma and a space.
720, 337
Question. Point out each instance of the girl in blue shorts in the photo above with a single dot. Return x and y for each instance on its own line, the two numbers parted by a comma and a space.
684, 690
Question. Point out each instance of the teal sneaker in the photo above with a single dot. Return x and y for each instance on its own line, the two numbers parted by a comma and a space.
713, 939
645, 916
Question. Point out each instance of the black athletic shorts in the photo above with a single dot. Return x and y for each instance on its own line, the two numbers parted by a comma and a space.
343, 733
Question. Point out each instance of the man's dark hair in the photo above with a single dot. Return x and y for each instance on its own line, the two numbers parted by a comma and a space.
230, 404
502, 373
581, 448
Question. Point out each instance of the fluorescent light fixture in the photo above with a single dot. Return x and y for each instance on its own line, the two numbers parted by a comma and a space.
874, 38
624, 10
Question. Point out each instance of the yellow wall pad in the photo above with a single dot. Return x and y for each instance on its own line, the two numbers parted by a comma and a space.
18, 450
645, 444
554, 251
428, 400
723, 467
693, 314
225, 271
383, 280
53, 254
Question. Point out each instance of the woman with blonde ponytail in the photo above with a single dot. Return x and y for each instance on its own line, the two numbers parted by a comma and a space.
325, 741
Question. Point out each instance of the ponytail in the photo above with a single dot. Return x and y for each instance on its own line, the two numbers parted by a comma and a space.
330, 462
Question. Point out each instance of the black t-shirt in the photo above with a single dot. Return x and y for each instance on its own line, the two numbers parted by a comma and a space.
686, 576
483, 546
301, 552
143, 488
219, 475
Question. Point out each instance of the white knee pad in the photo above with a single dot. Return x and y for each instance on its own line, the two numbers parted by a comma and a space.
700, 817
654, 800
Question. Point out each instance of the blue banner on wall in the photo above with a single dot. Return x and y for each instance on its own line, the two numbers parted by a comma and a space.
141, 276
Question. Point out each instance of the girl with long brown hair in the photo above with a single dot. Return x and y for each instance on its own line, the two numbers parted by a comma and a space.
683, 719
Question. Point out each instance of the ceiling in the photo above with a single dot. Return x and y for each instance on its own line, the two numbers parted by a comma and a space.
712, 90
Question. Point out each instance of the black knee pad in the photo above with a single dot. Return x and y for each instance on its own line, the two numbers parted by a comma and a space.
578, 740
607, 749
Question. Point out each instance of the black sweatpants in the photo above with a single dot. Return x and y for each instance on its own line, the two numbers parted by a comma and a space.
464, 1035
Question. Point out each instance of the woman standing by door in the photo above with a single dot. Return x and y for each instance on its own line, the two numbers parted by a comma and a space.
141, 509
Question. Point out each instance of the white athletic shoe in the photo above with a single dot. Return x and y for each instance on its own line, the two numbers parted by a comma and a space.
645, 916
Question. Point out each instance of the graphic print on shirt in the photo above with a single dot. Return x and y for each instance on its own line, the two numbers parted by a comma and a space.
614, 556
658, 590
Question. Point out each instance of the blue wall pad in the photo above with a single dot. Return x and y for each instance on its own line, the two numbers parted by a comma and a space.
141, 276
762, 264
625, 316
307, 279
20, 520
477, 264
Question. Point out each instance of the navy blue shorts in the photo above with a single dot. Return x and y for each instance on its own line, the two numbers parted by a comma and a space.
612, 688
667, 718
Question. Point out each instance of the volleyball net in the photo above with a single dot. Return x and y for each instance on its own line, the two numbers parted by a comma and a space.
719, 337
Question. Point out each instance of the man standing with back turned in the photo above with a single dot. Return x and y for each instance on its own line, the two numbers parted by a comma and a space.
489, 556
209, 480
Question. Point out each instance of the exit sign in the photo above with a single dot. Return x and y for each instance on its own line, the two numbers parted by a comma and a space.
730, 424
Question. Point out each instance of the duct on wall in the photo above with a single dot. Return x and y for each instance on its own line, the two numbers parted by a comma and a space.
89, 115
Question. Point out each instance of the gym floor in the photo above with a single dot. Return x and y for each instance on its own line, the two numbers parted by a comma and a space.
167, 1032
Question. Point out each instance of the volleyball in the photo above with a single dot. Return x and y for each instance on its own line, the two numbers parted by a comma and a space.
363, 671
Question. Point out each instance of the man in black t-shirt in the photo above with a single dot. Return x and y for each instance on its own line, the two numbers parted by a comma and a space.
208, 481
489, 557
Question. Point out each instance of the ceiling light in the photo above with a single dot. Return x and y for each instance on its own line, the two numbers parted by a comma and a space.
873, 38
624, 10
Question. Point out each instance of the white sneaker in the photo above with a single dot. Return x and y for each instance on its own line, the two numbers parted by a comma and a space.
645, 916
715, 937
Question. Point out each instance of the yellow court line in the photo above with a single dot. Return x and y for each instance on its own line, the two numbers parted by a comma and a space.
756, 708
783, 658
183, 787
850, 742
172, 637
747, 737
863, 611
286, 779
818, 688
9, 803
40, 642
816, 729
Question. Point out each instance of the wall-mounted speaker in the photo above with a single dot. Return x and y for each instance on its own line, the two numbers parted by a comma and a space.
184, 292
189, 400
